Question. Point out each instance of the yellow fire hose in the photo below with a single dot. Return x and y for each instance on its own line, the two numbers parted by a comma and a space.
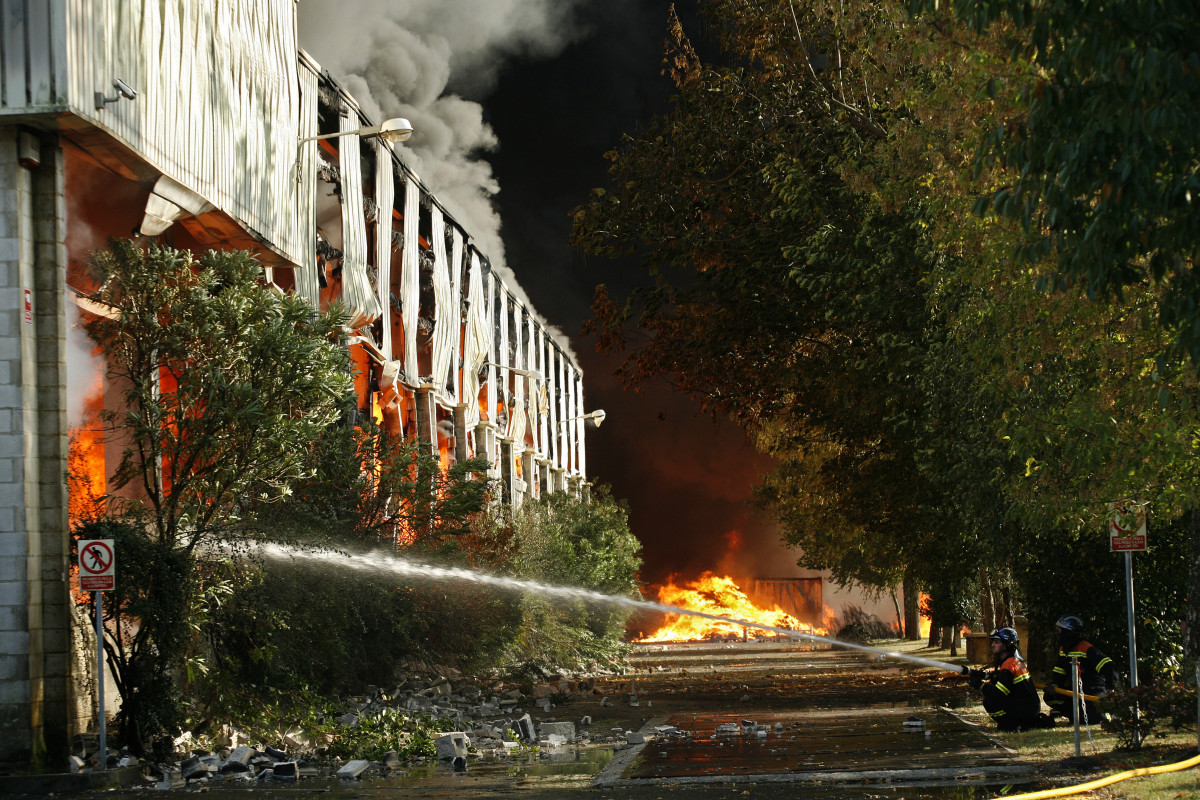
1096, 784
1091, 698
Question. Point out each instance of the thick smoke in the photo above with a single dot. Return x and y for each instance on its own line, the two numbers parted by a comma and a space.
417, 59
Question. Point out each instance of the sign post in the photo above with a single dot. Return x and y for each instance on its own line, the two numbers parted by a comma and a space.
98, 574
1127, 534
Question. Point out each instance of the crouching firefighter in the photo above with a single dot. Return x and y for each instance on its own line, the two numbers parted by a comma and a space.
1009, 696
1096, 670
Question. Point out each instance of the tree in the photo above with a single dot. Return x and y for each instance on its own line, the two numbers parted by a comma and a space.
1103, 152
292, 625
1103, 149
225, 385
788, 291
564, 541
369, 488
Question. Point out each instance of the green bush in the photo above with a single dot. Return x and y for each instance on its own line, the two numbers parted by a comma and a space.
565, 541
377, 734
1162, 706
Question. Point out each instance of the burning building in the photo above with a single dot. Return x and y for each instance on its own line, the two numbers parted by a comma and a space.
203, 124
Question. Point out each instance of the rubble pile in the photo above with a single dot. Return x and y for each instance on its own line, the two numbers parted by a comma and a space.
473, 719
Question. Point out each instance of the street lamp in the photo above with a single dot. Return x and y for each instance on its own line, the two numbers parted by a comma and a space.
524, 373
592, 417
397, 129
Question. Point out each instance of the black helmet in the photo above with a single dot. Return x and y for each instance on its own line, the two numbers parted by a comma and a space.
1070, 623
1006, 635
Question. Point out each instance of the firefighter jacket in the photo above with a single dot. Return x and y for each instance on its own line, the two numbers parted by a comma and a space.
1009, 696
1098, 673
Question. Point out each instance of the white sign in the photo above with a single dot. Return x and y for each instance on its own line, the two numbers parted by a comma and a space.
97, 566
1127, 527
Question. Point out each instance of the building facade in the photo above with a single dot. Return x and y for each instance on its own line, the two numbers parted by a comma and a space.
191, 122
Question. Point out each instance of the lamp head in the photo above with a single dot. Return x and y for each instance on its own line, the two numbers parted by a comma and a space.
596, 417
127, 91
395, 130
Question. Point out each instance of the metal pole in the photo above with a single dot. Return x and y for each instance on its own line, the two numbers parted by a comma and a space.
1133, 676
1198, 705
100, 679
1129, 615
1077, 690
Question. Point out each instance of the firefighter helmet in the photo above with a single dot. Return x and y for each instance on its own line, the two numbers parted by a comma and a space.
1070, 622
1006, 635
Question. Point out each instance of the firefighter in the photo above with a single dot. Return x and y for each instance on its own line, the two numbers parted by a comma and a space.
1009, 696
1098, 674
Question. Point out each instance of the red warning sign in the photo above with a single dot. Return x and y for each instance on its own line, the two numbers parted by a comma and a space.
97, 566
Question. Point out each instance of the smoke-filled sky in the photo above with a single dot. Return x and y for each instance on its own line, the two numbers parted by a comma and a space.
513, 103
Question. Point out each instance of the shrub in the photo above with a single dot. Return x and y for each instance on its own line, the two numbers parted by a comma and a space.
1162, 706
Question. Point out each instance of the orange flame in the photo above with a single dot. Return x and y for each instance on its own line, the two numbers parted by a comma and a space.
720, 596
923, 602
86, 472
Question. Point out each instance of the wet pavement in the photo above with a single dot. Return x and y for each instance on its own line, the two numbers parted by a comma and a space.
875, 740
729, 720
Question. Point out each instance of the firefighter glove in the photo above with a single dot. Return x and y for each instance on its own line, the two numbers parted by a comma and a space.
975, 678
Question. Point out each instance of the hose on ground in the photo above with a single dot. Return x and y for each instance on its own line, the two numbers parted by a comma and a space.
1096, 784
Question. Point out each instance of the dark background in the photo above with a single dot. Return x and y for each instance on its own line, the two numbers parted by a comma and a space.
687, 478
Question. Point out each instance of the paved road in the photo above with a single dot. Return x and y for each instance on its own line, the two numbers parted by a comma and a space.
733, 721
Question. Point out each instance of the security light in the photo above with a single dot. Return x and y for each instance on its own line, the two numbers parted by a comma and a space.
123, 90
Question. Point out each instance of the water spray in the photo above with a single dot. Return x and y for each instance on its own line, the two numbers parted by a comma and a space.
389, 563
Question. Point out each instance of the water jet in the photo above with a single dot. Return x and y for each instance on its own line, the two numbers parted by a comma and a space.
390, 563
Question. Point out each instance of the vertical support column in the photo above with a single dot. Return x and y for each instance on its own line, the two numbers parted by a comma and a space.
573, 422
35, 640
485, 446
532, 490
460, 433
582, 429
508, 477
504, 378
489, 285
426, 420
564, 457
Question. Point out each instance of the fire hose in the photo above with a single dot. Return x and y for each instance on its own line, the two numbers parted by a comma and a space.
1096, 784
1091, 698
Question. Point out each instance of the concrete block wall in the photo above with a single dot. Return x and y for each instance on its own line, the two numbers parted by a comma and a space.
35, 619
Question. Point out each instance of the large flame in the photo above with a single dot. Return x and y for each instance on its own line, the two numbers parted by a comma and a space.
86, 482
923, 601
720, 596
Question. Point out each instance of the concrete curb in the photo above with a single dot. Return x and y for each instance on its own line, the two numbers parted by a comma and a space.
69, 782
612, 774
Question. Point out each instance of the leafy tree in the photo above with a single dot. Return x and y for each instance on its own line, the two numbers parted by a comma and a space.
1103, 150
225, 385
789, 289
562, 540
806, 216
369, 488
294, 624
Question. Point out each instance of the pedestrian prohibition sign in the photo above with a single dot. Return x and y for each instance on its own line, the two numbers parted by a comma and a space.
97, 566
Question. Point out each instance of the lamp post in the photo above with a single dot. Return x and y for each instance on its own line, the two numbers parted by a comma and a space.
392, 130
524, 373
397, 129
592, 417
